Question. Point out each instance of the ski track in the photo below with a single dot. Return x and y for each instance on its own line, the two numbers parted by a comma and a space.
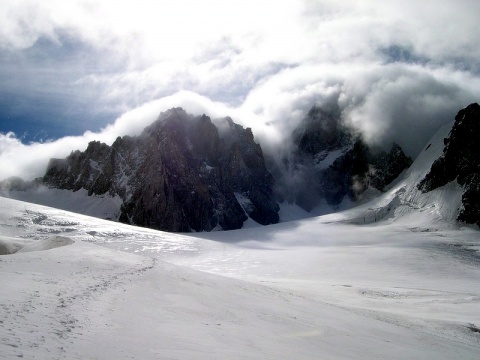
57, 302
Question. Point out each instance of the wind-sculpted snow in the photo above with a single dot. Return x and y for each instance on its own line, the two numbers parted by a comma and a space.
12, 245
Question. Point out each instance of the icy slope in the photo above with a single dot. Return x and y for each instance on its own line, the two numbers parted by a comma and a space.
439, 206
303, 289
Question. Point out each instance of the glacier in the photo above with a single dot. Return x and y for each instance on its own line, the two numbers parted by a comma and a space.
394, 278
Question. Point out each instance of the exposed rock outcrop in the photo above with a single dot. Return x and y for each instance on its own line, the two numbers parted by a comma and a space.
461, 162
322, 131
180, 174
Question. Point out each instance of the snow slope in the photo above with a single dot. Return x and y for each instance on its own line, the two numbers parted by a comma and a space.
304, 289
404, 285
103, 207
405, 200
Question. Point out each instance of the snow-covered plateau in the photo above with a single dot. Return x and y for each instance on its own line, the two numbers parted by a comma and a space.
396, 278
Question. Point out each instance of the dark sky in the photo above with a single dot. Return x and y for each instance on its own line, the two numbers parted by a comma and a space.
41, 94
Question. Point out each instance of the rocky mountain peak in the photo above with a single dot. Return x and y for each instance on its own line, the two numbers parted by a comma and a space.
460, 161
331, 163
180, 174
321, 130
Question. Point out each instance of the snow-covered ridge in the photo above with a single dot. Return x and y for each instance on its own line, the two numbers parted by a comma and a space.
405, 199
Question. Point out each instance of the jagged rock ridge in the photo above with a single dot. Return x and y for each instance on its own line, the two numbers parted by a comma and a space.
181, 174
460, 161
331, 162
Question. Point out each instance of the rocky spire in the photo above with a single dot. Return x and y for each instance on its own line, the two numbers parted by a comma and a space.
180, 174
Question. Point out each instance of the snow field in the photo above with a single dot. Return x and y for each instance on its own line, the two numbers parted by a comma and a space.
403, 285
302, 289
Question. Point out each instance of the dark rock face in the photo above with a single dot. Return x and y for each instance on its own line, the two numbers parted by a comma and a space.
358, 169
460, 161
332, 162
80, 170
180, 174
347, 176
388, 166
321, 130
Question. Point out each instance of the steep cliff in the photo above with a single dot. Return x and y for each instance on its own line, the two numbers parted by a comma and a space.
460, 162
180, 174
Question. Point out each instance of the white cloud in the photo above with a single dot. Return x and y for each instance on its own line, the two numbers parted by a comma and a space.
404, 103
30, 160
261, 62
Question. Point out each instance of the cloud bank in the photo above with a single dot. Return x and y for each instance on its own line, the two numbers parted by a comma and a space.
398, 70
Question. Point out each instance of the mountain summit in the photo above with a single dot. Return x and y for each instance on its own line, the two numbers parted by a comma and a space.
460, 161
181, 174
331, 164
191, 173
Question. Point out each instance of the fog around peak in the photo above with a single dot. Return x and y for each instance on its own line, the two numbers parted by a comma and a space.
83, 71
